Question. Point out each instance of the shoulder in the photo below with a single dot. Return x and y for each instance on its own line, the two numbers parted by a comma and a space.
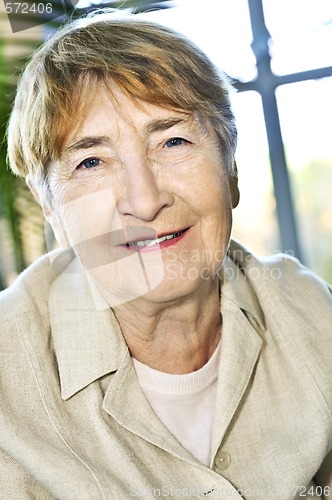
282, 277
25, 328
296, 305
28, 295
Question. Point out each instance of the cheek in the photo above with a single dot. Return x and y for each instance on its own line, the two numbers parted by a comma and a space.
216, 219
211, 197
203, 183
89, 216
218, 191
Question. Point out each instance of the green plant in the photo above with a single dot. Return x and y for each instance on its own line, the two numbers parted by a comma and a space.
13, 192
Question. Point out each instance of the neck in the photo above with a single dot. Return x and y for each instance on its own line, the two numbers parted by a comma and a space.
174, 338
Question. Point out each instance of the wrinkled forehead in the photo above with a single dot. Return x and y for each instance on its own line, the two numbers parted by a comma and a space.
98, 99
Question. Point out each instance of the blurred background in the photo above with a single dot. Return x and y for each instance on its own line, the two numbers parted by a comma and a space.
278, 54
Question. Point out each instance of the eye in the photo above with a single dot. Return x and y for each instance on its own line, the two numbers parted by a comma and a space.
90, 163
176, 141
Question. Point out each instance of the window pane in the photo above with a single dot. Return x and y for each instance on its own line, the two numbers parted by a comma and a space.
301, 33
254, 219
221, 29
305, 114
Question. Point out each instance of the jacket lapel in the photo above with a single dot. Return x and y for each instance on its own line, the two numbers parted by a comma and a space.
240, 347
127, 404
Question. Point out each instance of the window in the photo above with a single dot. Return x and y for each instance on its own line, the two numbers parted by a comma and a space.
279, 57
305, 114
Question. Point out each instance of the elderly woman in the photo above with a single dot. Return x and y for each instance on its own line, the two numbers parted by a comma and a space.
151, 356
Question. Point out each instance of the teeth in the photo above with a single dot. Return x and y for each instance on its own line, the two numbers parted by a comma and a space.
145, 243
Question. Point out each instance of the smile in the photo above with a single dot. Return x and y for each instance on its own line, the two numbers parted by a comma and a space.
145, 243
156, 243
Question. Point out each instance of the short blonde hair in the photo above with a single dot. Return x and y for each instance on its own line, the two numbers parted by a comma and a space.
146, 61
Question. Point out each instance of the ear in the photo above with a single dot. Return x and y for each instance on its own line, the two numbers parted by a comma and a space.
50, 215
233, 186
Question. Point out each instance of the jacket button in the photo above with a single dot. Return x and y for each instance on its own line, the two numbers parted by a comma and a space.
222, 460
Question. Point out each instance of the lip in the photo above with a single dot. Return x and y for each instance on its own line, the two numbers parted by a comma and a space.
136, 233
109, 247
113, 246
157, 246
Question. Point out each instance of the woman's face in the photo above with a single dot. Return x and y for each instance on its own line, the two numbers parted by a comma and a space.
141, 195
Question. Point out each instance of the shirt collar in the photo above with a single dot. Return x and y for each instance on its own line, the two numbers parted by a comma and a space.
88, 342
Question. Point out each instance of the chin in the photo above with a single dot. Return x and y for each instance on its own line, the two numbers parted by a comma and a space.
176, 289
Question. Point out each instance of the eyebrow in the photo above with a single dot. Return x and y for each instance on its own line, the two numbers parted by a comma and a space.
165, 124
86, 143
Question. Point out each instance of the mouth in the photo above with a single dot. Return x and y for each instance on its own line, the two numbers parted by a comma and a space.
160, 242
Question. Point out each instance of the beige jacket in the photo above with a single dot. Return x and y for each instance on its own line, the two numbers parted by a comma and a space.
75, 424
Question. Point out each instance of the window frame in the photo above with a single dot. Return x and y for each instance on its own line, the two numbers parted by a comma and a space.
266, 84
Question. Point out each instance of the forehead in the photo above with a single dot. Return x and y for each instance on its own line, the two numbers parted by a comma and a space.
110, 114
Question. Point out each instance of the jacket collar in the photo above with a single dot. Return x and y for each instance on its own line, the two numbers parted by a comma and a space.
87, 339
240, 270
86, 336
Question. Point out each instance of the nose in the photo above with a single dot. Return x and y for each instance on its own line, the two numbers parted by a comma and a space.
143, 197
